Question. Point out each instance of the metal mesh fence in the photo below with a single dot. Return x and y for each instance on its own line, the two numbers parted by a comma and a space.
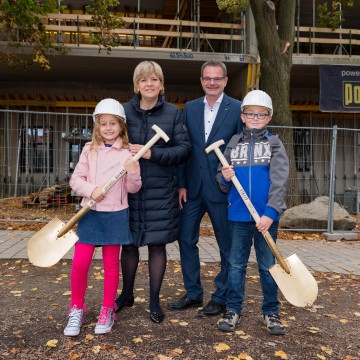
39, 151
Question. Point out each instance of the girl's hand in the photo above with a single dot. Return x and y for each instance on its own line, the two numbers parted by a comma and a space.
98, 194
131, 165
228, 172
264, 224
135, 148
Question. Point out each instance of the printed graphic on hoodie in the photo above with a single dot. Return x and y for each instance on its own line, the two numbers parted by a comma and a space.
241, 154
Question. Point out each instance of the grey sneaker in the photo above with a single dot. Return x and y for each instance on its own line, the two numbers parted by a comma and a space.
105, 321
273, 324
228, 321
74, 323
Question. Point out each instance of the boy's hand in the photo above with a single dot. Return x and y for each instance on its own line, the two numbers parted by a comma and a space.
228, 172
131, 165
98, 194
264, 224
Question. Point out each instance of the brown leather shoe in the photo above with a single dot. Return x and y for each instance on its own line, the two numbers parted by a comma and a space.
184, 303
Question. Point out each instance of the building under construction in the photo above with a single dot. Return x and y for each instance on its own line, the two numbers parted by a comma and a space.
44, 116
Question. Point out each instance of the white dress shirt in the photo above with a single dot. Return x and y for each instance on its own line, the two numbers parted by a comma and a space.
210, 115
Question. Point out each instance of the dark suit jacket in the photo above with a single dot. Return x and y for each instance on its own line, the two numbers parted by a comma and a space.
201, 168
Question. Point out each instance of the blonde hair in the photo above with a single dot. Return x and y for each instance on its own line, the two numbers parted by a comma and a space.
97, 139
146, 68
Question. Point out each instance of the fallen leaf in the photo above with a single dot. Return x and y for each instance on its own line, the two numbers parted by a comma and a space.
221, 347
138, 340
281, 354
244, 337
344, 321
244, 356
128, 353
67, 293
321, 357
357, 313
176, 351
89, 336
174, 321
52, 343
183, 323
313, 330
326, 350
139, 300
240, 332
163, 357
96, 349
332, 316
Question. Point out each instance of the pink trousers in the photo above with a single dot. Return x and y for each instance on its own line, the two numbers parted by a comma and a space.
80, 268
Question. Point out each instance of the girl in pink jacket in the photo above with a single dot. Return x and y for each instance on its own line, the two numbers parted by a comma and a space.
107, 223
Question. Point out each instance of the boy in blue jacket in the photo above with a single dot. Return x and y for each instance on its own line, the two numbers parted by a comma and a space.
259, 160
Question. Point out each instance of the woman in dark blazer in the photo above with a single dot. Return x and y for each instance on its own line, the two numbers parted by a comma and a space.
154, 210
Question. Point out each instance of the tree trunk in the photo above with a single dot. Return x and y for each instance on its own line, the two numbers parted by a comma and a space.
275, 44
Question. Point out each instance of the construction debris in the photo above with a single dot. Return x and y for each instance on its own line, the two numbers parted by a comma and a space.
54, 195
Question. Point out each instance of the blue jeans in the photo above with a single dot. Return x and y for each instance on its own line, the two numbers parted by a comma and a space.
242, 235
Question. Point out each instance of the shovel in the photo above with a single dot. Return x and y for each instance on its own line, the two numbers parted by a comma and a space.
56, 238
292, 277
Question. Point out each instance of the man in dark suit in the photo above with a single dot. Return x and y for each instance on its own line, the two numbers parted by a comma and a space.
208, 119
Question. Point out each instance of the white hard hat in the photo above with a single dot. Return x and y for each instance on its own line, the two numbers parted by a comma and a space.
257, 98
109, 106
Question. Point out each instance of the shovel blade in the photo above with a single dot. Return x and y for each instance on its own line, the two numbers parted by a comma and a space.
299, 287
45, 248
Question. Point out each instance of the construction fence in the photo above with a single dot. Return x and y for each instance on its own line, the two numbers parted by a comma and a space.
39, 151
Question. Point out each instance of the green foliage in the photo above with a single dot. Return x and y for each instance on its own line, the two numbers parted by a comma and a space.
333, 15
232, 6
105, 22
21, 25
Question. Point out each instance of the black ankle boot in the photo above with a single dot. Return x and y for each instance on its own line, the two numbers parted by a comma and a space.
120, 303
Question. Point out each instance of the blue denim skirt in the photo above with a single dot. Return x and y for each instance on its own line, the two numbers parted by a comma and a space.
105, 228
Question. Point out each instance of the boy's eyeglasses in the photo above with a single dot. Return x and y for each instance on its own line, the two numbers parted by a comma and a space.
260, 116
215, 79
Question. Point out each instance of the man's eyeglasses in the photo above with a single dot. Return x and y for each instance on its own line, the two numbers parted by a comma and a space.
215, 79
260, 116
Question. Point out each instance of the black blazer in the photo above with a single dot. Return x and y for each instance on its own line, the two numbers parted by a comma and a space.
201, 168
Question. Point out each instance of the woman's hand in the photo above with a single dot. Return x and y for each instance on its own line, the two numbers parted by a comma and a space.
98, 194
135, 148
228, 172
182, 197
131, 165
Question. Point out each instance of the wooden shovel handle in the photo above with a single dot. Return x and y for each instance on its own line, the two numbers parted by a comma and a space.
159, 134
270, 241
